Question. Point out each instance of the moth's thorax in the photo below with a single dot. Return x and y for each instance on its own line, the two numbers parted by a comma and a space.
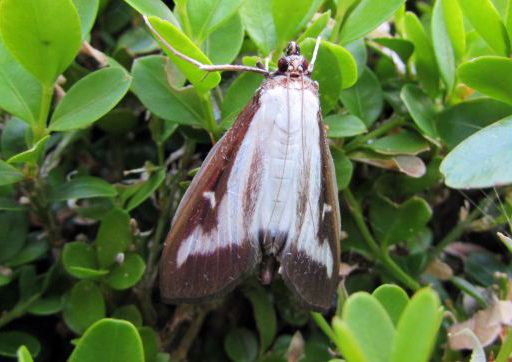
283, 81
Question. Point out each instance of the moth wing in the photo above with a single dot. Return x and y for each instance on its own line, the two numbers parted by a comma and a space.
203, 255
310, 262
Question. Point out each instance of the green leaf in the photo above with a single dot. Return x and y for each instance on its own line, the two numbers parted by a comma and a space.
344, 125
443, 49
109, 340
259, 23
347, 342
11, 341
87, 10
490, 75
24, 355
127, 273
90, 98
79, 260
316, 27
421, 109
137, 40
264, 314
239, 93
11, 205
50, 38
9, 174
481, 267
370, 326
20, 91
240, 345
343, 168
358, 50
83, 306
482, 159
151, 85
424, 57
154, 8
206, 16
146, 190
13, 137
403, 143
232, 33
460, 121
129, 313
83, 187
32, 155
454, 22
417, 328
364, 99
397, 223
367, 15
393, 299
487, 22
33, 250
113, 237
183, 44
288, 14
404, 48
118, 121
150, 343
46, 306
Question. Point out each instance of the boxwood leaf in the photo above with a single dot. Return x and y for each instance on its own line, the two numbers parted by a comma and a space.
232, 33
90, 98
183, 44
443, 48
393, 299
33, 250
239, 93
288, 14
79, 260
129, 313
154, 8
109, 339
481, 160
127, 273
12, 139
9, 174
31, 155
259, 23
146, 190
50, 38
11, 341
113, 236
403, 47
87, 10
151, 85
265, 315
20, 91
150, 343
83, 305
317, 26
421, 109
344, 125
24, 355
343, 168
241, 345
367, 15
490, 75
83, 187
347, 342
403, 143
417, 328
46, 306
14, 230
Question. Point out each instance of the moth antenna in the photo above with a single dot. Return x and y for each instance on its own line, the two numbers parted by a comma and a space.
315, 53
201, 66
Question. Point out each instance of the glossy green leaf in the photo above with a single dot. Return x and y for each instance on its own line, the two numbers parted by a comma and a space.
481, 268
146, 190
14, 229
239, 94
367, 15
31, 155
11, 341
264, 314
90, 98
364, 99
202, 80
490, 75
232, 33
151, 85
46, 306
110, 340
347, 342
343, 168
137, 41
425, 60
443, 49
259, 23
460, 121
50, 38
417, 328
127, 273
370, 325
87, 10
317, 26
34, 249
206, 16
83, 187
487, 22
12, 139
404, 48
129, 313
403, 143
344, 125
24, 355
20, 91
397, 223
83, 305
9, 174
150, 343
79, 260
393, 299
113, 237
454, 22
482, 159
358, 50
154, 8
288, 14
421, 109
241, 345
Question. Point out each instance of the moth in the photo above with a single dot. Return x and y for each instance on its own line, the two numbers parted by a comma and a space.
266, 194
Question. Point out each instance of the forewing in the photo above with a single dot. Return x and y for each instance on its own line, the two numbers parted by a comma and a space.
311, 262
203, 255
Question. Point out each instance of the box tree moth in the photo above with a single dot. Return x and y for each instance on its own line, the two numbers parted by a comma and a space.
265, 194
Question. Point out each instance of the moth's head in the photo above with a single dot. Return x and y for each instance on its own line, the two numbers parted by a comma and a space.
293, 64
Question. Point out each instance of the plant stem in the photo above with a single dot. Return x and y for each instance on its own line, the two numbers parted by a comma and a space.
390, 124
506, 347
39, 130
211, 122
381, 254
323, 325
18, 311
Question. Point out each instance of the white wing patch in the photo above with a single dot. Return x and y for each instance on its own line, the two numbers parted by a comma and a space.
210, 196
